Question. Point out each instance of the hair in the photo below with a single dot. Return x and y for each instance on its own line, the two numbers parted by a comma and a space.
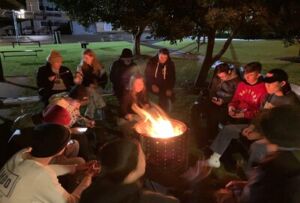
253, 67
118, 158
132, 80
223, 68
96, 64
79, 92
287, 87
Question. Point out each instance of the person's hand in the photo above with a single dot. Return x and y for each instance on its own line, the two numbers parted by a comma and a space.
231, 110
52, 78
78, 80
155, 88
129, 117
169, 93
238, 115
250, 133
90, 123
90, 168
217, 101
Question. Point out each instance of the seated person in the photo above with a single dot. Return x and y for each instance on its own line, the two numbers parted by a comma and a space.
66, 111
121, 71
29, 176
135, 94
53, 78
276, 178
91, 73
221, 92
122, 166
279, 93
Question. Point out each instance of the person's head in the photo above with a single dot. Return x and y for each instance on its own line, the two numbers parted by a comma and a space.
58, 115
79, 93
276, 82
223, 71
55, 59
163, 55
252, 72
280, 125
49, 140
122, 161
137, 83
88, 56
126, 56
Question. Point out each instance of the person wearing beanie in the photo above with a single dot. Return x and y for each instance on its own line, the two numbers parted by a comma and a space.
160, 78
276, 178
53, 78
29, 175
64, 109
121, 71
91, 74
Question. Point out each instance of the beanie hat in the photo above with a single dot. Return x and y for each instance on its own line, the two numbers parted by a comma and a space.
276, 75
49, 139
79, 92
57, 114
126, 53
54, 56
280, 125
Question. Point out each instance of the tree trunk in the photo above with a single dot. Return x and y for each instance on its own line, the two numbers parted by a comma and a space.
198, 42
201, 78
224, 48
137, 41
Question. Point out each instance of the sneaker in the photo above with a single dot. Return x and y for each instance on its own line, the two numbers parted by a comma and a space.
214, 161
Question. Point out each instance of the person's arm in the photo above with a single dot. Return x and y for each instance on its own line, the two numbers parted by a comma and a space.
102, 81
67, 77
149, 76
43, 78
125, 105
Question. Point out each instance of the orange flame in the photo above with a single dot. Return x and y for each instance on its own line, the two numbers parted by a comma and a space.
156, 123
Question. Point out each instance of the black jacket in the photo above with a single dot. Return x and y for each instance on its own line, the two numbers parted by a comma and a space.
89, 77
120, 76
45, 71
108, 192
276, 180
154, 74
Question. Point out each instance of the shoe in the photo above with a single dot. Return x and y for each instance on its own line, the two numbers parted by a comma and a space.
214, 160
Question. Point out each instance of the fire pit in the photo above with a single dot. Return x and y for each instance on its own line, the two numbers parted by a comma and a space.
164, 141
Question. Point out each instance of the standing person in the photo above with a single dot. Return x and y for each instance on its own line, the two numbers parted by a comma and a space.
160, 78
91, 73
122, 165
120, 72
53, 78
29, 177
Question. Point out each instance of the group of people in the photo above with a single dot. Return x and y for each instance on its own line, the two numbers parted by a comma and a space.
56, 142
257, 116
261, 111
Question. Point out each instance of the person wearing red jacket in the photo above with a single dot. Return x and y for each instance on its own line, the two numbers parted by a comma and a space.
248, 95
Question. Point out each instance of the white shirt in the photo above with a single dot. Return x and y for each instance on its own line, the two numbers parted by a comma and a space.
23, 180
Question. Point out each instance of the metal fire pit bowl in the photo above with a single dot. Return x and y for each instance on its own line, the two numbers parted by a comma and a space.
165, 155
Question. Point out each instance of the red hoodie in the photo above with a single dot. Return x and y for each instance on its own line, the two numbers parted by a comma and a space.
248, 98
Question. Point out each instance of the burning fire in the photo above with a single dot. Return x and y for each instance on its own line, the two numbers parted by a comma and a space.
156, 123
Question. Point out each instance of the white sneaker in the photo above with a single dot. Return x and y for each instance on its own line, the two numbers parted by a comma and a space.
214, 160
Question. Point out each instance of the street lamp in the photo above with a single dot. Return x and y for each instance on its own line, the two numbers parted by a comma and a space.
17, 14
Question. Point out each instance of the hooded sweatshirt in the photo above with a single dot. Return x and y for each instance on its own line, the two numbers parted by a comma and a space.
248, 98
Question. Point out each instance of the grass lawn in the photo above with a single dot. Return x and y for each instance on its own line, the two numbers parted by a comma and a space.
242, 52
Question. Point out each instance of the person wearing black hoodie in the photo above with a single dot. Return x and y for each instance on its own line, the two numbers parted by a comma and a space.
160, 78
122, 164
